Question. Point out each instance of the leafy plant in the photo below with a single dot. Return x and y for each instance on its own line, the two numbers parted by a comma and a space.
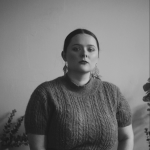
9, 137
146, 98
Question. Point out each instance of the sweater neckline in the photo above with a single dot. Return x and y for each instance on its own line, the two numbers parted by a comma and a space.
79, 86
88, 89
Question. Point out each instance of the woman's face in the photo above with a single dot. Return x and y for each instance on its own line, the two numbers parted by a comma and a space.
82, 53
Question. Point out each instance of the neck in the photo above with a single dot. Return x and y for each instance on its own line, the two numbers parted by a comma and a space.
79, 79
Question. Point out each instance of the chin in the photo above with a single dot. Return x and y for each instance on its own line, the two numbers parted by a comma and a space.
84, 71
81, 69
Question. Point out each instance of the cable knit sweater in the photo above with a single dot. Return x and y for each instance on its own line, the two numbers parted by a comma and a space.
77, 117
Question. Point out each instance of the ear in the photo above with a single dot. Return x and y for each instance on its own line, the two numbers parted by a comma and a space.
63, 55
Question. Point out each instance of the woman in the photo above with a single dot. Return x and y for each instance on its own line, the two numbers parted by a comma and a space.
78, 111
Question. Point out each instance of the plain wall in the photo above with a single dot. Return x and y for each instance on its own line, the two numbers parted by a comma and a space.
32, 33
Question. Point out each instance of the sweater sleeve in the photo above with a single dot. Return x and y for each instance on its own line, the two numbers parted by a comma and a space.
36, 115
123, 114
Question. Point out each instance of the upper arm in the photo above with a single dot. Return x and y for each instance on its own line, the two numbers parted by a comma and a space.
37, 142
37, 114
125, 133
123, 114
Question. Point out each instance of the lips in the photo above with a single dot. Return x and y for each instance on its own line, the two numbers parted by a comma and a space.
83, 62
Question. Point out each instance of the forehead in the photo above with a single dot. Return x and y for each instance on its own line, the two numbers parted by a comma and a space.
83, 39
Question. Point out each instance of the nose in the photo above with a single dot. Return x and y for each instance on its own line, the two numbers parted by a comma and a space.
84, 53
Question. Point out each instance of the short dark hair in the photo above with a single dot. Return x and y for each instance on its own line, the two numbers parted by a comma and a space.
75, 32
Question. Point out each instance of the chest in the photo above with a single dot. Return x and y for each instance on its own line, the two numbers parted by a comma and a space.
81, 109
88, 119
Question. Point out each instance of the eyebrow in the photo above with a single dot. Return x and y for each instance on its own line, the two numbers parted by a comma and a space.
81, 45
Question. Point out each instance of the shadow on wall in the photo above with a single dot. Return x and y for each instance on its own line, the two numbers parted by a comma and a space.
140, 121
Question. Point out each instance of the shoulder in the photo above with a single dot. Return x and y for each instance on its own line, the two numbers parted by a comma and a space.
112, 90
47, 86
110, 86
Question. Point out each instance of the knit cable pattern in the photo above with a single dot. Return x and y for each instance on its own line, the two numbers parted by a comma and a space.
79, 118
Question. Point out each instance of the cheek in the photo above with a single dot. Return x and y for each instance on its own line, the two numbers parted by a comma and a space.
94, 57
72, 57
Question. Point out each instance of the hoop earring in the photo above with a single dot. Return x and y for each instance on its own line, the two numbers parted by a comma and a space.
65, 68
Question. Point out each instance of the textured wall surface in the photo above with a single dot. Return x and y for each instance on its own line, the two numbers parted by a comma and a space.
32, 33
